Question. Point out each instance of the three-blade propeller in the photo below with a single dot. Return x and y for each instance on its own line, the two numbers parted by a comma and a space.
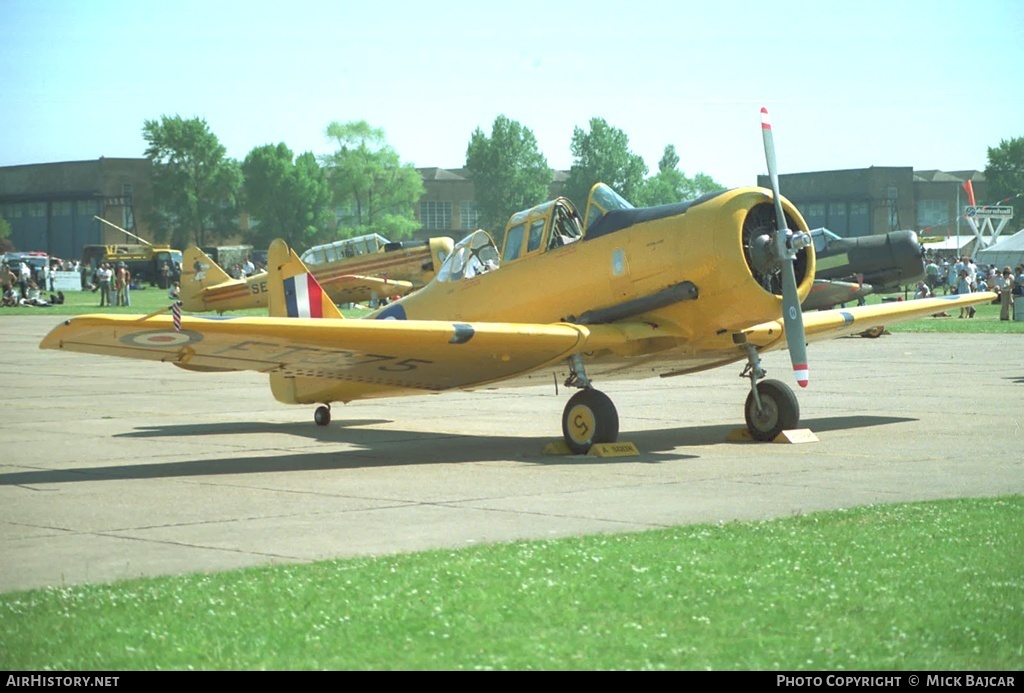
786, 246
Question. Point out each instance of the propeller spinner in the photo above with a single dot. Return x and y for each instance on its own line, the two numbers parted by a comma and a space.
786, 245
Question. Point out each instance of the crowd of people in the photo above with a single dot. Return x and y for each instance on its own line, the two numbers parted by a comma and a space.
24, 287
960, 275
241, 270
113, 283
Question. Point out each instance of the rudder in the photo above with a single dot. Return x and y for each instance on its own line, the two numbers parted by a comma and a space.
294, 291
198, 273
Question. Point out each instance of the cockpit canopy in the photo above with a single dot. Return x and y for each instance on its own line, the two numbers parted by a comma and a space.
547, 226
475, 254
345, 248
603, 199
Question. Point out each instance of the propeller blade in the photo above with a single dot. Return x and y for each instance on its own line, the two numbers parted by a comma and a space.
792, 316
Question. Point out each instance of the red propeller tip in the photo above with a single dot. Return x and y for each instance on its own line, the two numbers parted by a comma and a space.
802, 373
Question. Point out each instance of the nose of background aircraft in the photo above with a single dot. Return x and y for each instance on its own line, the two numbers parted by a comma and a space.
907, 253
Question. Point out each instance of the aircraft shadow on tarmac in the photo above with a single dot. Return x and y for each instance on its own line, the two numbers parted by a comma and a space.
391, 448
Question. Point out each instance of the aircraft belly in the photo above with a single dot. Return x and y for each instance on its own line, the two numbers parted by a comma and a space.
616, 368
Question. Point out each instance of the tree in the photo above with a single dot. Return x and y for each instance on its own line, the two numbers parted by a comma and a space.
5, 236
375, 190
509, 172
603, 156
288, 197
195, 187
670, 184
1005, 175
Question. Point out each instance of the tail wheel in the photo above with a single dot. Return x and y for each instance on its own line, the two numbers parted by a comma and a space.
779, 410
874, 332
589, 417
322, 415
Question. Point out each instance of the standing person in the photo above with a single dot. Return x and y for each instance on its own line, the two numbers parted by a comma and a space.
165, 275
24, 276
963, 286
7, 278
127, 286
121, 284
931, 273
103, 282
1006, 295
248, 267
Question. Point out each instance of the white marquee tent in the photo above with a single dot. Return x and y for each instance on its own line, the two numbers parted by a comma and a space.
1008, 251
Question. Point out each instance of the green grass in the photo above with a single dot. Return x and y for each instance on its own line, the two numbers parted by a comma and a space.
985, 321
936, 585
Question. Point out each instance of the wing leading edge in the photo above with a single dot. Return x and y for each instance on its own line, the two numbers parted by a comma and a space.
838, 322
418, 355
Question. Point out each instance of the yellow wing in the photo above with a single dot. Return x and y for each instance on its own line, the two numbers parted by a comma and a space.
407, 354
828, 324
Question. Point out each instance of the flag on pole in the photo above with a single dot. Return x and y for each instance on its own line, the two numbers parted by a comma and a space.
969, 187
176, 311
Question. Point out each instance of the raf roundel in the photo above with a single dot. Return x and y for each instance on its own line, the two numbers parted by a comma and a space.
161, 338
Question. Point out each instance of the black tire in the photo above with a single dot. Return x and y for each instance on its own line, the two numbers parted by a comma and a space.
589, 417
322, 415
780, 410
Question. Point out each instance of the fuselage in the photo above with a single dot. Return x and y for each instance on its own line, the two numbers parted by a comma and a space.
624, 264
398, 268
702, 244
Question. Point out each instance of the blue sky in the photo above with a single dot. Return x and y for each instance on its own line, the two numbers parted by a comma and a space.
928, 84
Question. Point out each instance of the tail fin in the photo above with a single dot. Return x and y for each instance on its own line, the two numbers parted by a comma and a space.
198, 273
294, 292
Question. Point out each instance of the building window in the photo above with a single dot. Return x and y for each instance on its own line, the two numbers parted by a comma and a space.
61, 209
36, 209
436, 215
469, 216
837, 222
860, 219
814, 215
86, 208
932, 213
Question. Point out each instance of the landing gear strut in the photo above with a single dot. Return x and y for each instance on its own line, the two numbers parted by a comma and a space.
589, 416
771, 406
322, 415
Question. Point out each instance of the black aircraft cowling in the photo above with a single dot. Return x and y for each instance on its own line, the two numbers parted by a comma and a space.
886, 262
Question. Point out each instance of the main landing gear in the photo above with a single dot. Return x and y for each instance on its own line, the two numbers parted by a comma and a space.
589, 416
771, 406
322, 415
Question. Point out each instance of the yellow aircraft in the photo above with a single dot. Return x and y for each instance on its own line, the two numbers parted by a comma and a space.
352, 270
622, 293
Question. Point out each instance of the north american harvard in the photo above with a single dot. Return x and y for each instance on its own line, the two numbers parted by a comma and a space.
617, 293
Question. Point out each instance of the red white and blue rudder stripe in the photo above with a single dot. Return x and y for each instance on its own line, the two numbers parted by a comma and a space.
304, 296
